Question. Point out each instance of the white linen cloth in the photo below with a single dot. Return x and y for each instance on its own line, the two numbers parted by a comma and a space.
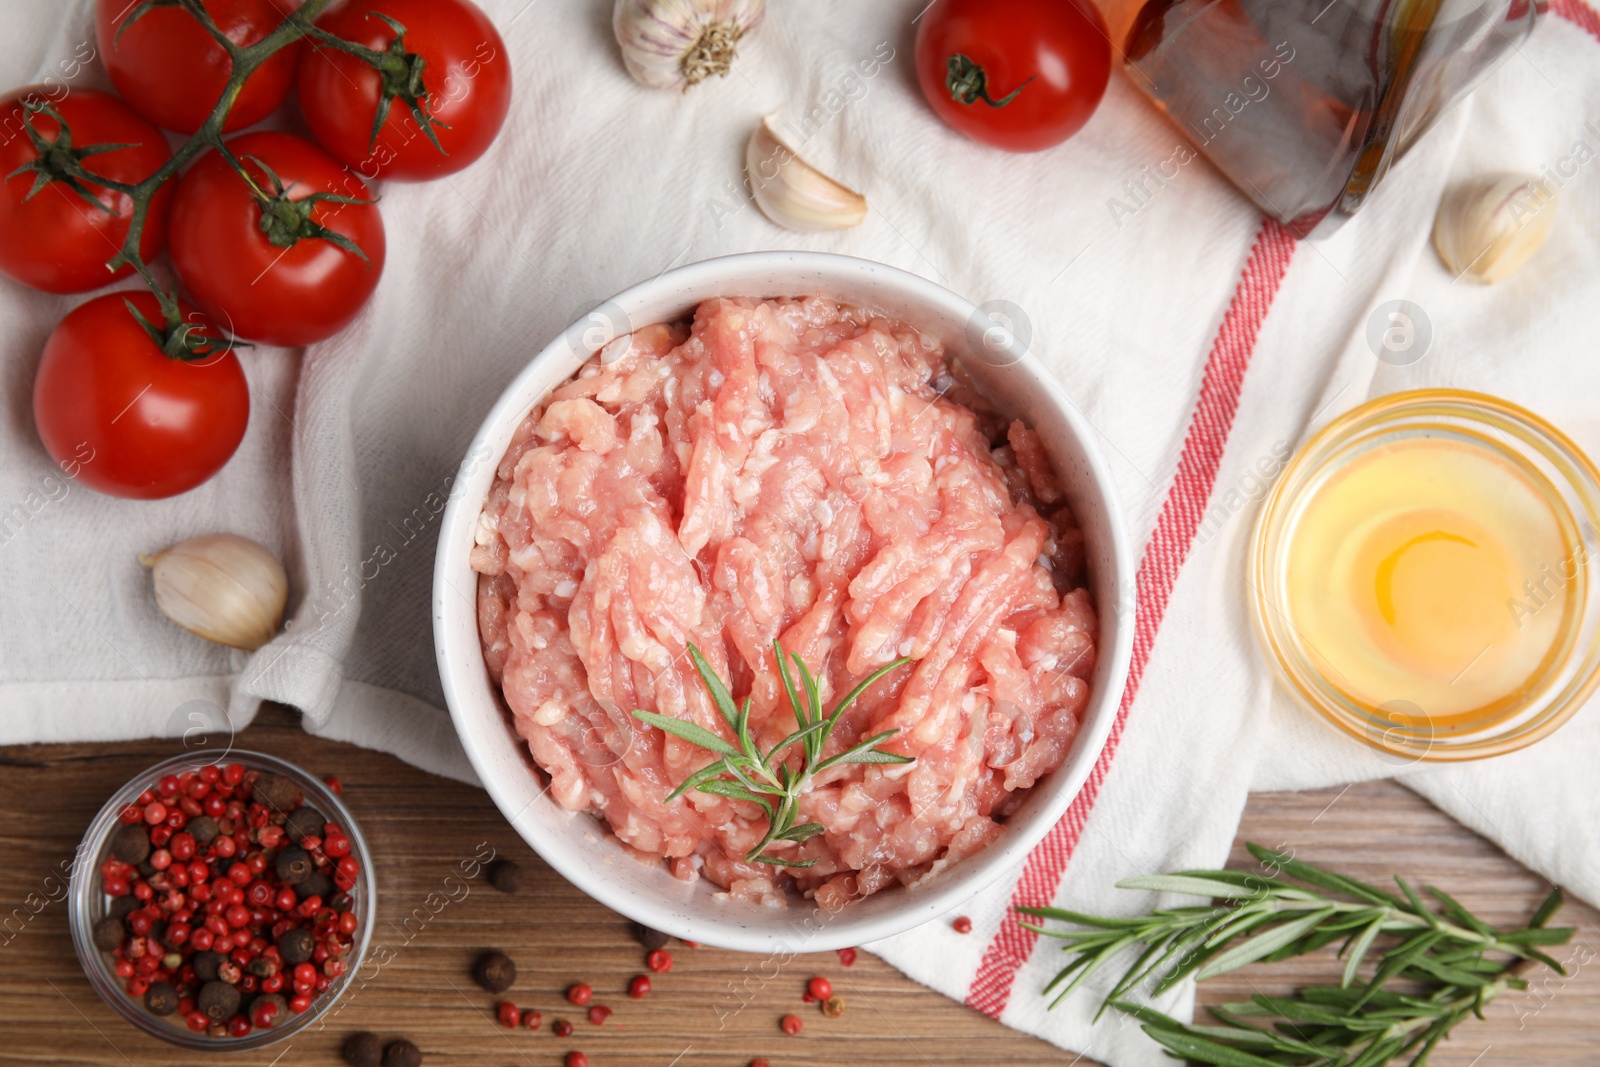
597, 183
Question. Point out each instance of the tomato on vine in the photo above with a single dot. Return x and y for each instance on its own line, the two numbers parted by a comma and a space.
134, 419
170, 69
421, 92
289, 256
57, 232
1023, 75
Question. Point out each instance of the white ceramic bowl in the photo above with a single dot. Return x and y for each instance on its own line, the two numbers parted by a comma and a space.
578, 845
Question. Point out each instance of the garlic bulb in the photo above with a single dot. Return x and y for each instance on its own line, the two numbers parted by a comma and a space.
673, 44
221, 587
793, 193
1486, 230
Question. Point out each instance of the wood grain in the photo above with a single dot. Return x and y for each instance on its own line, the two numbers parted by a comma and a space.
420, 827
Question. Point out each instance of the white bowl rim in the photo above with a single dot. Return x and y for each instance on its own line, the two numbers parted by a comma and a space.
840, 930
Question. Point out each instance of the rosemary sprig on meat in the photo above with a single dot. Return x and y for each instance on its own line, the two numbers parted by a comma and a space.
1440, 959
772, 779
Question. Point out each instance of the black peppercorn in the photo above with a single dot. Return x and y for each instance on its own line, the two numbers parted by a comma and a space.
652, 940
205, 965
495, 972
402, 1053
303, 822
203, 828
276, 793
505, 875
363, 1050
293, 865
108, 933
218, 1000
296, 946
317, 885
131, 844
161, 999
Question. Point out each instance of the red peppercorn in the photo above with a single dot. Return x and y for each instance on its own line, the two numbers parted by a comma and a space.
579, 993
155, 812
508, 1014
847, 957
562, 1028
531, 1019
599, 1014
197, 1021
759, 1062
335, 786
962, 925
819, 989
131, 814
238, 1026
286, 899
300, 1002
639, 988
659, 961
791, 1025
168, 786
576, 1059
336, 845
233, 773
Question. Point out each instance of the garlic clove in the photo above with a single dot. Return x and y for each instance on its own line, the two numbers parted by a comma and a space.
676, 44
1488, 229
221, 587
793, 193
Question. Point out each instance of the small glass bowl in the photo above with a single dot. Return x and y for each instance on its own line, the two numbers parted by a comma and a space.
1515, 435
87, 904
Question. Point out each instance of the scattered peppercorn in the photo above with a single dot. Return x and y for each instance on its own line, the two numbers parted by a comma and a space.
297, 945
652, 940
639, 987
962, 925
402, 1053
495, 972
130, 844
276, 793
335, 786
847, 957
505, 875
579, 993
218, 1000
599, 1014
833, 1007
791, 1025
508, 1014
108, 934
820, 988
576, 1059
531, 1019
363, 1049
759, 1062
161, 999
561, 1028
659, 961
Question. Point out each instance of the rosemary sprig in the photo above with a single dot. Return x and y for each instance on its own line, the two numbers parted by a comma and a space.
768, 779
1441, 954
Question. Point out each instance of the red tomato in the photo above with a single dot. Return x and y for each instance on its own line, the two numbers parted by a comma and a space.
131, 420
171, 71
466, 74
56, 240
293, 293
1022, 75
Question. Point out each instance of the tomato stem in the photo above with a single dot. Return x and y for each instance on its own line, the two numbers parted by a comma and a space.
968, 83
401, 75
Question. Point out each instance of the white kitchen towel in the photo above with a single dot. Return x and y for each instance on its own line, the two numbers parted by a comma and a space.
1202, 343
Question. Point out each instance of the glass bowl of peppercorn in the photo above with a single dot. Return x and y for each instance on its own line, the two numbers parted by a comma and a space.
222, 904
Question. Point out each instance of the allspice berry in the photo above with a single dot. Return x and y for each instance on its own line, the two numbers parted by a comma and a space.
108, 933
131, 844
205, 965
402, 1053
203, 828
293, 865
296, 946
278, 1011
161, 999
363, 1050
652, 940
505, 875
304, 821
317, 885
495, 972
122, 907
218, 1000
276, 793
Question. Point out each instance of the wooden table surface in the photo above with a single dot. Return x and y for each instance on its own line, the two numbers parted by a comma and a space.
420, 827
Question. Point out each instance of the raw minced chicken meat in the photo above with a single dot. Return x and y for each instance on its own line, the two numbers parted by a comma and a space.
814, 473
